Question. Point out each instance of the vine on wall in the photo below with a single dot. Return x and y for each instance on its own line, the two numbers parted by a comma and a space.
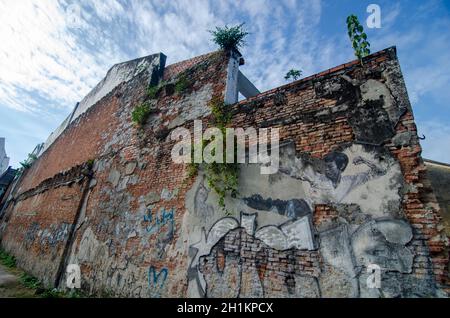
358, 37
221, 177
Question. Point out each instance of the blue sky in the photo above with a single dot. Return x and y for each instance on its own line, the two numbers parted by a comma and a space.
51, 56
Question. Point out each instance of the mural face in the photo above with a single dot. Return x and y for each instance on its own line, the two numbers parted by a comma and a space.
269, 247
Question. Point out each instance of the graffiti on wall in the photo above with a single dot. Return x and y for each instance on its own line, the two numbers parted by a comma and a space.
296, 234
162, 224
156, 280
51, 235
362, 183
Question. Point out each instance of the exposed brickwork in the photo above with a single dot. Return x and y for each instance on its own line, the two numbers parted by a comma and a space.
132, 231
38, 231
318, 125
174, 69
324, 213
270, 270
421, 208
106, 135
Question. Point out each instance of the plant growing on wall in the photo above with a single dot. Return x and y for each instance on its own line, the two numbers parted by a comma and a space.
153, 90
293, 74
229, 38
140, 113
27, 163
221, 177
357, 37
181, 84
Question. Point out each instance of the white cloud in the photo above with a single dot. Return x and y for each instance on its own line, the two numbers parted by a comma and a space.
425, 66
44, 54
47, 64
41, 56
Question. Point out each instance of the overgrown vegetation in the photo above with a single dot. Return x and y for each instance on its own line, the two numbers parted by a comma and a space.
182, 84
33, 284
293, 74
29, 281
357, 37
221, 177
141, 112
27, 163
7, 259
152, 91
229, 38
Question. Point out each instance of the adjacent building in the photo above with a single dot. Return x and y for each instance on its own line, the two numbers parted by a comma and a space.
4, 159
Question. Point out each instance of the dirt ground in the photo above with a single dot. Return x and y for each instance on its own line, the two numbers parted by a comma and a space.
10, 285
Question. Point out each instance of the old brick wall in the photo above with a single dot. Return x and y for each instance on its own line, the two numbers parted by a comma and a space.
40, 222
351, 191
320, 122
379, 209
128, 164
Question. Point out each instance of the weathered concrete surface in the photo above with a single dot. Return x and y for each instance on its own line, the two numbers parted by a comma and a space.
149, 66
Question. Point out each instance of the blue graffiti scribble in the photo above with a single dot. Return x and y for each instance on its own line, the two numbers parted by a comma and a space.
51, 235
154, 277
159, 220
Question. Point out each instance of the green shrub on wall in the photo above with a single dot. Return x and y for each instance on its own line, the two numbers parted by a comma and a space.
229, 38
293, 75
26, 163
182, 84
140, 113
152, 91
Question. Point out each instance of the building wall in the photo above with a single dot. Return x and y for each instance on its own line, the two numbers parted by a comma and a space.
351, 192
374, 206
149, 68
127, 164
439, 176
4, 160
38, 229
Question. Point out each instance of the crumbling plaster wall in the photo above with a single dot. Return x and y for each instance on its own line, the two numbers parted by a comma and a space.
350, 192
129, 165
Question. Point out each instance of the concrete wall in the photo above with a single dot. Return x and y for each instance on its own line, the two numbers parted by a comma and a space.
351, 191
